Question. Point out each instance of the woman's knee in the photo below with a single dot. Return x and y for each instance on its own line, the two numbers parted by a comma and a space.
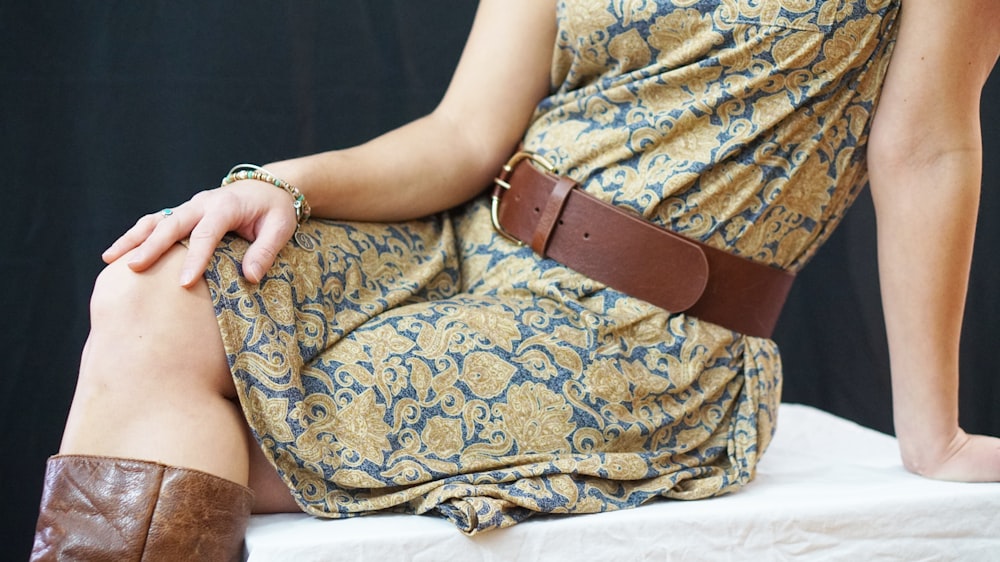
121, 294
155, 329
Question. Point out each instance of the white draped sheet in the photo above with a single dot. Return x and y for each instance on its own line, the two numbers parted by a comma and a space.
827, 489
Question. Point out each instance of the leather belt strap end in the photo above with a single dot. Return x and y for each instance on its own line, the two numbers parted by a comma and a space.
550, 214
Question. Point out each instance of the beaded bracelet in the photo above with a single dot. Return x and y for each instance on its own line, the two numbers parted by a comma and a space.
253, 172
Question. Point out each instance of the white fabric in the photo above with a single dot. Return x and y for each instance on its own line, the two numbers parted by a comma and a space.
826, 489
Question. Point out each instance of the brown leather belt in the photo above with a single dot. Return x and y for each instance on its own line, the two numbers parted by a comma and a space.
623, 251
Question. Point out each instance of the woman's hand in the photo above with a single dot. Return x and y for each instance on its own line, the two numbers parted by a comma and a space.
437, 162
967, 458
255, 210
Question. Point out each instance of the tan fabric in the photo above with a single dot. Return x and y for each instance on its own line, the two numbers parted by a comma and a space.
433, 366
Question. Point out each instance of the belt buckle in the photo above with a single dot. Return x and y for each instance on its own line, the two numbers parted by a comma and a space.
501, 185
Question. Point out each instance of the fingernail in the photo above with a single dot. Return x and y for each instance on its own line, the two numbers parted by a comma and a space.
254, 270
187, 276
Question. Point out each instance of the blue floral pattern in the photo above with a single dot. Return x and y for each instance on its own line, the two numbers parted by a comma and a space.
432, 366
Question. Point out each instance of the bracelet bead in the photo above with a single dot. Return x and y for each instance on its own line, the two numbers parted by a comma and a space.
254, 172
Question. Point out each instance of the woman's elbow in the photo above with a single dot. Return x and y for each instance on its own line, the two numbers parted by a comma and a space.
902, 155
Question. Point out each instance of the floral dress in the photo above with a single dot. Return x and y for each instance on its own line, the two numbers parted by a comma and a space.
433, 366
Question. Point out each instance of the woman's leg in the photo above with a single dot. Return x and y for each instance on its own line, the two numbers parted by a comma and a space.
154, 383
154, 400
271, 493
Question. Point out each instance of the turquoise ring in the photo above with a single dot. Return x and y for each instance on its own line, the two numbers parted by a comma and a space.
167, 212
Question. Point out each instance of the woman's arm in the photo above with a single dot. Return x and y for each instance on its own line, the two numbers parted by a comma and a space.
451, 155
429, 165
925, 168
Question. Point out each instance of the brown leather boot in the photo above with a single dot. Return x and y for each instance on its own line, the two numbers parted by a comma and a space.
102, 508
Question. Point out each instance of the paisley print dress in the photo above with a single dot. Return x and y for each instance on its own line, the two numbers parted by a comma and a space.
433, 367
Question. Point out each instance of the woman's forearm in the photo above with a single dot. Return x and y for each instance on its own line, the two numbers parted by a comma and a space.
925, 238
418, 169
452, 154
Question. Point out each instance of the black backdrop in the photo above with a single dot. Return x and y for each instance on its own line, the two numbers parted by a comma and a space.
109, 110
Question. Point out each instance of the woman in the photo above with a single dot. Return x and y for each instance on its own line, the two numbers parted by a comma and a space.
410, 355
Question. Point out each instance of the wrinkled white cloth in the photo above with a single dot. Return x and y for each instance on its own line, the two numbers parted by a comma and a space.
827, 489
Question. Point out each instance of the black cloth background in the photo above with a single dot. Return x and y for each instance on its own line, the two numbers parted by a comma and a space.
109, 110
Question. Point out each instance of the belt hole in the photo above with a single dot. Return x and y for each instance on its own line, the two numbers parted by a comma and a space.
586, 235
537, 210
560, 222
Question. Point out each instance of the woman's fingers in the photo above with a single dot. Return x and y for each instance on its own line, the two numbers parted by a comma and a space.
275, 231
170, 228
134, 236
256, 211
204, 237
